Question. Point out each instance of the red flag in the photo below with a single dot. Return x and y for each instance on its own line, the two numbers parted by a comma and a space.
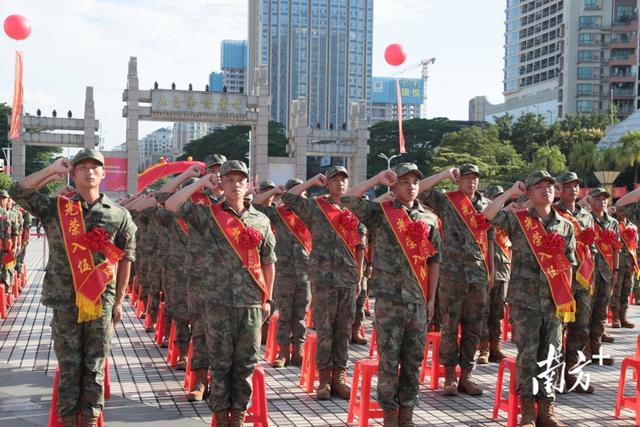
16, 107
400, 133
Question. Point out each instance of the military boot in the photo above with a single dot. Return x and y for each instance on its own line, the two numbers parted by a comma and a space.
450, 381
297, 355
357, 336
324, 388
547, 414
282, 360
615, 321
623, 320
483, 357
199, 389
527, 407
467, 385
495, 353
339, 385
390, 418
70, 420
89, 420
182, 359
405, 416
222, 418
236, 418
607, 338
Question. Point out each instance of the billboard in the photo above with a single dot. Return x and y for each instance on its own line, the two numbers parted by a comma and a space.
116, 174
384, 91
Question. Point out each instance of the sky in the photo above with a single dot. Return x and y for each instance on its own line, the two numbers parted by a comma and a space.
79, 43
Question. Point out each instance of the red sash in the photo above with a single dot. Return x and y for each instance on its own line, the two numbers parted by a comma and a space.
350, 237
552, 265
232, 228
605, 248
475, 222
503, 242
89, 280
416, 253
198, 198
295, 226
584, 273
630, 242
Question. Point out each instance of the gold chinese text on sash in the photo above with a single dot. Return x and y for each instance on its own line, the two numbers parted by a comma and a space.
475, 222
629, 237
503, 242
296, 227
344, 222
416, 252
89, 280
584, 273
233, 229
552, 262
604, 243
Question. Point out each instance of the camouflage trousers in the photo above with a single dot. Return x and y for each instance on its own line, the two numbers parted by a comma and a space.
621, 290
578, 331
153, 286
494, 311
20, 259
359, 314
292, 294
401, 333
199, 350
333, 310
535, 332
176, 310
233, 338
599, 304
81, 349
463, 304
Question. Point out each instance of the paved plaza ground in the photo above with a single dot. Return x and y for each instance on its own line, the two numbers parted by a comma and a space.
147, 392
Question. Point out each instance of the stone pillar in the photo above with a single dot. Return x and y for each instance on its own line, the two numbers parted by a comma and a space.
298, 132
357, 124
260, 134
133, 114
18, 158
89, 119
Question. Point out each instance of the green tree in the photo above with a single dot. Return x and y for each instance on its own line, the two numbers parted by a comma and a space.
629, 152
584, 158
549, 159
5, 181
505, 126
529, 133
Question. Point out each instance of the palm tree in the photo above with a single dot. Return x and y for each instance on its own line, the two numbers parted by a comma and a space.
584, 158
628, 154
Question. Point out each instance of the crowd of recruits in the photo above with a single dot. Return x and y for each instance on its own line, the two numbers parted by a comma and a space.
226, 305
15, 227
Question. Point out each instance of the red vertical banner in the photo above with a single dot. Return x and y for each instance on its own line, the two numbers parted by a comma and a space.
400, 133
16, 107
116, 174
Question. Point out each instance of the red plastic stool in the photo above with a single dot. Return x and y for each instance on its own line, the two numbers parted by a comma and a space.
309, 373
257, 411
629, 402
189, 375
107, 379
54, 419
141, 308
159, 324
174, 352
510, 404
506, 325
373, 347
3, 303
10, 300
432, 367
609, 317
364, 408
272, 348
366, 305
15, 287
309, 318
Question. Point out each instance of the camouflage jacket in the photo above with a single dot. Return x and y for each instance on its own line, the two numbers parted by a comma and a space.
58, 289
461, 256
626, 261
528, 285
230, 284
330, 262
394, 279
606, 223
288, 247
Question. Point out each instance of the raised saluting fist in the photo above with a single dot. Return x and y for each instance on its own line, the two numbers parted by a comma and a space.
193, 171
62, 165
454, 174
210, 180
387, 178
518, 189
320, 180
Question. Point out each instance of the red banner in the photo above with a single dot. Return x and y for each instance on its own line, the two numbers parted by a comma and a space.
400, 132
16, 106
162, 169
116, 174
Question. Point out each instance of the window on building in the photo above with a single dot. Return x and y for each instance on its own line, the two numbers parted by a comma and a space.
584, 106
586, 38
585, 55
624, 14
588, 22
585, 72
585, 88
591, 5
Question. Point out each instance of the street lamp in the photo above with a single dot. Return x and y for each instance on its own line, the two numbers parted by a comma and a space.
606, 179
388, 159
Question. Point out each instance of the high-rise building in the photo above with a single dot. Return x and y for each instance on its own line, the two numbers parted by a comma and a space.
233, 62
317, 49
153, 146
567, 57
384, 98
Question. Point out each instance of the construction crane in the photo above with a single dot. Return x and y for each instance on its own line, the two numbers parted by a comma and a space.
425, 76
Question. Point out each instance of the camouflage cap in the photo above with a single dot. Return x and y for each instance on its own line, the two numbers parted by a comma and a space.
598, 192
214, 159
266, 184
335, 170
4, 194
292, 183
537, 176
88, 153
401, 169
493, 191
565, 177
233, 166
467, 168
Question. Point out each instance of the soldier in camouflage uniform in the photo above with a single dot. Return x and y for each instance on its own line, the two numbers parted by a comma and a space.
626, 275
80, 346
463, 278
403, 306
604, 275
494, 313
533, 312
27, 220
6, 230
568, 185
357, 332
292, 289
630, 207
234, 303
336, 276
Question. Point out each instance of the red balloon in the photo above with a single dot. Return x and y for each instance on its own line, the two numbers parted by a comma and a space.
17, 27
394, 54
